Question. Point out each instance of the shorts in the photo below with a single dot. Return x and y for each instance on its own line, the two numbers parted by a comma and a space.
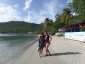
46, 44
40, 47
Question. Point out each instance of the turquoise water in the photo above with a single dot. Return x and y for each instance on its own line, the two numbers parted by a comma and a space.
13, 46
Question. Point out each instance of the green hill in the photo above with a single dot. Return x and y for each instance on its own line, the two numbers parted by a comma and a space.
18, 27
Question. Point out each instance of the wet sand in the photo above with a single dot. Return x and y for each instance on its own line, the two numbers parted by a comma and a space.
63, 51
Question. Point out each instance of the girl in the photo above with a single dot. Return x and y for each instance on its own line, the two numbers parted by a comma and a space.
41, 44
47, 43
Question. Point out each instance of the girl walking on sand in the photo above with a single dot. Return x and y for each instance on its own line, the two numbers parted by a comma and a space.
47, 43
41, 44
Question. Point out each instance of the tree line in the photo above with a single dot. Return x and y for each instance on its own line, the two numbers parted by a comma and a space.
18, 27
66, 18
61, 20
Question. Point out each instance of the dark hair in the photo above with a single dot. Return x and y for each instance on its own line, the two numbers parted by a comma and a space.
45, 32
42, 33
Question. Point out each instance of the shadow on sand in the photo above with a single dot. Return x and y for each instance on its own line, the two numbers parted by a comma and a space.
66, 53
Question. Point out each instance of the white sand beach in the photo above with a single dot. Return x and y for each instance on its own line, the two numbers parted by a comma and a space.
63, 51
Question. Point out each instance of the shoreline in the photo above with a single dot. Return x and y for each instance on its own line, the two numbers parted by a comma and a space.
21, 52
63, 51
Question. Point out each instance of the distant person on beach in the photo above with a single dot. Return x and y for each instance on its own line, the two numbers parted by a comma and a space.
41, 44
47, 43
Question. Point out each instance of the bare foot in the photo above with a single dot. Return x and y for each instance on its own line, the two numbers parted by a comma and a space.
40, 56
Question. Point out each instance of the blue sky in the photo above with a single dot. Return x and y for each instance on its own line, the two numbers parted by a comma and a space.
34, 11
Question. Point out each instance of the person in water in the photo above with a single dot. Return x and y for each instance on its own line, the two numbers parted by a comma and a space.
41, 44
47, 38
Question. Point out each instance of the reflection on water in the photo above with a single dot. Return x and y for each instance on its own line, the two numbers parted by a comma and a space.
11, 46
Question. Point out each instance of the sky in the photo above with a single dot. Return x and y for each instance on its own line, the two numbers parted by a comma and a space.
33, 11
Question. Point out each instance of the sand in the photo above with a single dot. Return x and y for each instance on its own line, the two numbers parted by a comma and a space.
63, 51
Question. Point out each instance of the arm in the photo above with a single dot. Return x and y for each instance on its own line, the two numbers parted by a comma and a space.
49, 41
50, 37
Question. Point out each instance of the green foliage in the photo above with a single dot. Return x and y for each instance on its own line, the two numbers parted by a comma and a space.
79, 7
82, 28
66, 18
58, 22
48, 23
18, 27
53, 30
61, 20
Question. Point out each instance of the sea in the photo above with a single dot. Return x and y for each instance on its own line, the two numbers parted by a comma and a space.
13, 46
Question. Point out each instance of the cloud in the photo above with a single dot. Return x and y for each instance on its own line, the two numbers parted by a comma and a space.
38, 18
69, 1
45, 11
49, 9
52, 7
28, 18
27, 4
8, 13
16, 6
34, 17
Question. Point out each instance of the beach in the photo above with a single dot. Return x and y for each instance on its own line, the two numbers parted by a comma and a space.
63, 51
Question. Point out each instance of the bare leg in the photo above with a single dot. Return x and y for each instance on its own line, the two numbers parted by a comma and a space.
47, 50
40, 53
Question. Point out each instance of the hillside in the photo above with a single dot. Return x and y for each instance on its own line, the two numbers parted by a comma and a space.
18, 27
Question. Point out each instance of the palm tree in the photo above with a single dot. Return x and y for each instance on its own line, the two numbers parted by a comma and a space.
48, 23
66, 16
